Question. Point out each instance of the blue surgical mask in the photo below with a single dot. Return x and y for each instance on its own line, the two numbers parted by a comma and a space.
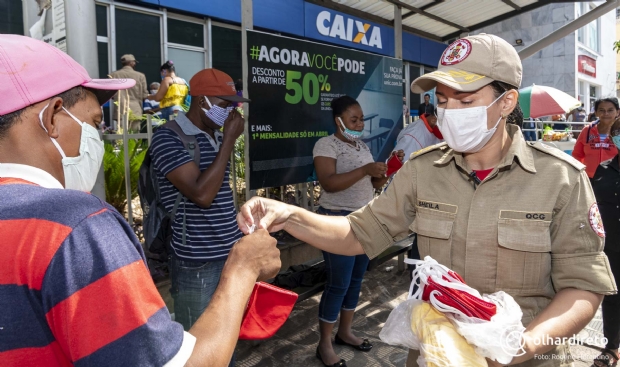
616, 140
350, 134
217, 114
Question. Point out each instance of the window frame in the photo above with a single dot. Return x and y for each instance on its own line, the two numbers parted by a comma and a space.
584, 32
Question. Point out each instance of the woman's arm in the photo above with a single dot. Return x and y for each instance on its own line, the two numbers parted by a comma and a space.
568, 313
161, 92
578, 151
333, 182
378, 182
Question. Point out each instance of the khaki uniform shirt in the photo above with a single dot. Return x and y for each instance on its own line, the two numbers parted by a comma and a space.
137, 93
531, 228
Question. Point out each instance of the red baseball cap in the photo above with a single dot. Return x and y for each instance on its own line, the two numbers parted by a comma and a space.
214, 83
33, 71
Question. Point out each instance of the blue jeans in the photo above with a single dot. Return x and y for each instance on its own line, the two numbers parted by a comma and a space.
344, 279
166, 112
192, 286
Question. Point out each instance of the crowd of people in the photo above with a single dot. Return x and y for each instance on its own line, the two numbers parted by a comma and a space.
74, 276
164, 100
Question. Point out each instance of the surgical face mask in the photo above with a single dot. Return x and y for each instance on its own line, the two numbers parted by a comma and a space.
616, 141
153, 91
217, 114
81, 171
350, 134
465, 130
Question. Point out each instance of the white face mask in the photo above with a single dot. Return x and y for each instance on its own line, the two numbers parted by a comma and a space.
217, 114
81, 171
465, 130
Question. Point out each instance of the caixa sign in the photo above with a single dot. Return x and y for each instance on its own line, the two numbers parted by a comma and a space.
343, 29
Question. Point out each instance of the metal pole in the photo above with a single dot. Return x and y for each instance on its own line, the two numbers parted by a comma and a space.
125, 120
407, 91
149, 129
81, 26
398, 32
233, 173
311, 197
304, 195
568, 28
247, 22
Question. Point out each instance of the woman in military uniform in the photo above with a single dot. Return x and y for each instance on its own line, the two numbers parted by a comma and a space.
503, 213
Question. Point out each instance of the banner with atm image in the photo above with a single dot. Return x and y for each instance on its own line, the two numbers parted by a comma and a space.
292, 83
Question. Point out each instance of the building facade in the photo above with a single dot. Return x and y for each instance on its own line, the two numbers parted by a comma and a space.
582, 64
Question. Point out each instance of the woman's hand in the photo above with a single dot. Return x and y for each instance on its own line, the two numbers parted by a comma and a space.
376, 169
264, 214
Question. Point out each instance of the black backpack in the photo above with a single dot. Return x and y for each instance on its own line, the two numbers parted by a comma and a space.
157, 222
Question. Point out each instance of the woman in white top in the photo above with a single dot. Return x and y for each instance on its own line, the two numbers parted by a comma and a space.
349, 176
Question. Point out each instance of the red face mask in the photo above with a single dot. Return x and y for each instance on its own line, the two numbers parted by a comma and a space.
268, 309
447, 291
393, 165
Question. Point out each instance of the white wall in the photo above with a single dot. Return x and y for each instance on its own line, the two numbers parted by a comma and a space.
556, 65
606, 58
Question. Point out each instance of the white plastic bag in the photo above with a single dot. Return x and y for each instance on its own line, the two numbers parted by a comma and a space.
415, 324
397, 329
499, 339
444, 334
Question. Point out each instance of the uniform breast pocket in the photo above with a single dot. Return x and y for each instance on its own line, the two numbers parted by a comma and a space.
523, 256
434, 233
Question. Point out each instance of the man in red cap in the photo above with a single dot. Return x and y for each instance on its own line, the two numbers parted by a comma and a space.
204, 226
74, 286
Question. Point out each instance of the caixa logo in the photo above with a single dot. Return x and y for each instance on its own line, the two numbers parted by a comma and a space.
348, 29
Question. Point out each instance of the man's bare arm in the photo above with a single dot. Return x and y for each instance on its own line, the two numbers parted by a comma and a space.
252, 259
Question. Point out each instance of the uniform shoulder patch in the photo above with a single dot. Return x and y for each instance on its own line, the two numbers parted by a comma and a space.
596, 223
547, 149
440, 146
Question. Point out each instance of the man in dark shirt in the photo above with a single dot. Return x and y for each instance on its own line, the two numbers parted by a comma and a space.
427, 106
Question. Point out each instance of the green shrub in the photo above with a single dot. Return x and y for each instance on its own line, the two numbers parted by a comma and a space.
114, 169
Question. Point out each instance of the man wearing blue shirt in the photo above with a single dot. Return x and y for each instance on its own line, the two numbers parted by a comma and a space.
204, 227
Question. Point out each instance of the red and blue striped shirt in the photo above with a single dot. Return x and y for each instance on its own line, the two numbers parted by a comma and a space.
74, 287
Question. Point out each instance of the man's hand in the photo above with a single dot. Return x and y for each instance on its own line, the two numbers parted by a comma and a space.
400, 154
376, 169
264, 213
233, 126
256, 252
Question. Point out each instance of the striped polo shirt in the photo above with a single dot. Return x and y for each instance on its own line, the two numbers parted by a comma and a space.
74, 286
210, 232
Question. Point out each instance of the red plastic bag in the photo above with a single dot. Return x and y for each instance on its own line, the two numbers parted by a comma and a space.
268, 309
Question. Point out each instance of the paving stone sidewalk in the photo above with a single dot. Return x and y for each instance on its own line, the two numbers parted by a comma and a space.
295, 344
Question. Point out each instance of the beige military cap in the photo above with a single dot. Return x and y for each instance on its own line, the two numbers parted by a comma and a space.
128, 57
470, 63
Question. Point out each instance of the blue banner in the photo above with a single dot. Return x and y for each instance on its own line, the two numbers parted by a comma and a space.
335, 27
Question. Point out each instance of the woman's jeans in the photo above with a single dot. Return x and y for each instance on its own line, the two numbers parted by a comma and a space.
344, 279
192, 286
166, 112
